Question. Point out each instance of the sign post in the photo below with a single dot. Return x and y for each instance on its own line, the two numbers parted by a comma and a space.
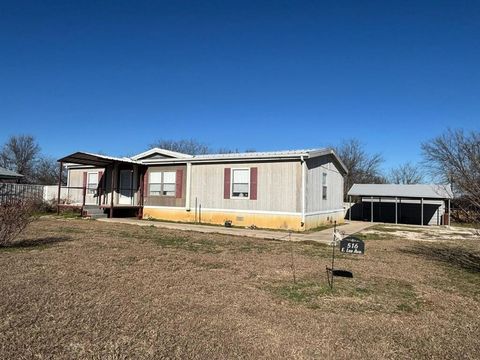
348, 245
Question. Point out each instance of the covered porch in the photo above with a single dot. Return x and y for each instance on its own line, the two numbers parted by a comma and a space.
94, 181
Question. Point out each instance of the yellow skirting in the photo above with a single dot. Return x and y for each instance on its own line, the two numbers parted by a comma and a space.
314, 221
268, 221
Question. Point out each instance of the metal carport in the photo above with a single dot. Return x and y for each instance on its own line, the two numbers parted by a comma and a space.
396, 196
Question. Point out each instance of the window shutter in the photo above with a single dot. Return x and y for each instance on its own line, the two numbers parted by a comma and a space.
84, 179
145, 183
253, 183
226, 183
179, 183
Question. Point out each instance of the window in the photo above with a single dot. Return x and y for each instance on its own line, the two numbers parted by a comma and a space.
169, 183
324, 186
92, 183
162, 183
240, 183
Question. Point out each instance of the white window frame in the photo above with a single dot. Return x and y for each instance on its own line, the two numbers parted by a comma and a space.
324, 186
231, 184
162, 183
92, 190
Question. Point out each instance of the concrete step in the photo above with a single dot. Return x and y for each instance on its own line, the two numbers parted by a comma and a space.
91, 207
94, 211
98, 216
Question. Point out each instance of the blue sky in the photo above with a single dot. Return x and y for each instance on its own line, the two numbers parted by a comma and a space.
114, 76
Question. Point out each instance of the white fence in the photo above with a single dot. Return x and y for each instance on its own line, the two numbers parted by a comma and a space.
68, 195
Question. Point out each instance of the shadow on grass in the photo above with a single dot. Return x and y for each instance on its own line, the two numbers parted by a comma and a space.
459, 257
36, 243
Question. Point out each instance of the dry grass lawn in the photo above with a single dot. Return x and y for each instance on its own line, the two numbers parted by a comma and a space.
79, 289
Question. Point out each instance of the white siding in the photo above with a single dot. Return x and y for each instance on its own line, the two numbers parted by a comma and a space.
315, 169
75, 181
278, 189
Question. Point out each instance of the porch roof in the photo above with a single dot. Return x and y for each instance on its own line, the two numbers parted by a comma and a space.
85, 158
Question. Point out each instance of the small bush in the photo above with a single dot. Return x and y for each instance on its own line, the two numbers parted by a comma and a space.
45, 207
15, 215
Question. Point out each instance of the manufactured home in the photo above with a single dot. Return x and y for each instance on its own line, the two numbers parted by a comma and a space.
296, 189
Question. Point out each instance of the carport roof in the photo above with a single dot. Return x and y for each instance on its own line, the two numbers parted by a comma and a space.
427, 191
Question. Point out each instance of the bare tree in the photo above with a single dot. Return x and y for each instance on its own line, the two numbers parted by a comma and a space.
454, 157
362, 167
186, 146
46, 171
406, 173
19, 154
223, 150
227, 151
192, 147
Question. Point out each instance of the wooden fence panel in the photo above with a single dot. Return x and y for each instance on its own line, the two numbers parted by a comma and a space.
9, 191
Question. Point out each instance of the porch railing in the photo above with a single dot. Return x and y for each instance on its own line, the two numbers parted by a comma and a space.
84, 195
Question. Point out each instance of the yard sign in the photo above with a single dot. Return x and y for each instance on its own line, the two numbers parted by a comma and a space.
349, 245
352, 245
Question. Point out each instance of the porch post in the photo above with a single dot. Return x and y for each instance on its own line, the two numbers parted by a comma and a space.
140, 198
59, 187
112, 188
84, 192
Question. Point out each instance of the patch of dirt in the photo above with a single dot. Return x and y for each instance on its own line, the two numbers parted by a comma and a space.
432, 234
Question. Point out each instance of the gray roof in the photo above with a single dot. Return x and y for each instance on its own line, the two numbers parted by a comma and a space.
260, 154
85, 158
430, 191
157, 150
246, 156
9, 174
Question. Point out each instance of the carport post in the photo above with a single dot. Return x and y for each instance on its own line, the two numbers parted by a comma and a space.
350, 209
396, 210
421, 213
448, 212
400, 209
371, 208
380, 209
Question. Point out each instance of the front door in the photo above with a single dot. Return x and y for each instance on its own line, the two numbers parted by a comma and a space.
91, 196
125, 191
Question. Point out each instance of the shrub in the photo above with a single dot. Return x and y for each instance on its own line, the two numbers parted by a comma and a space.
15, 215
